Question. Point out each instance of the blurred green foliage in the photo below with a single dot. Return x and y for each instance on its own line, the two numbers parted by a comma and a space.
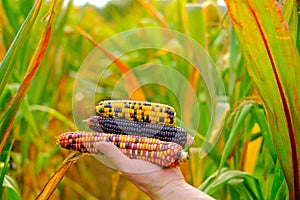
242, 165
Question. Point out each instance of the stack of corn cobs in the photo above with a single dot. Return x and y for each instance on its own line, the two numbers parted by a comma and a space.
141, 130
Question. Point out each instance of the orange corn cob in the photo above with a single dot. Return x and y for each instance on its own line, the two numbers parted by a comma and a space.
165, 154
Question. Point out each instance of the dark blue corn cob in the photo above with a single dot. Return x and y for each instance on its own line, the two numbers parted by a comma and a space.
143, 129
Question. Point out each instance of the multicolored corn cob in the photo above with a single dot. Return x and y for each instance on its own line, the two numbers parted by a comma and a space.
165, 154
137, 111
143, 129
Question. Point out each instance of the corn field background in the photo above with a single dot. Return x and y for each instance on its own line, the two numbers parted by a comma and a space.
254, 44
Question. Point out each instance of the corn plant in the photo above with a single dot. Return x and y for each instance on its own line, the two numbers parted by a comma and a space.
254, 44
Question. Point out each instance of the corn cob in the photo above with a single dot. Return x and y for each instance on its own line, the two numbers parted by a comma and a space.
143, 129
165, 154
137, 111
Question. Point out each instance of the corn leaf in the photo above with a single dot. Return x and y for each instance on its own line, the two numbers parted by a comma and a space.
12, 54
277, 183
9, 116
261, 119
239, 121
273, 63
215, 182
196, 25
59, 173
154, 13
5, 165
12, 189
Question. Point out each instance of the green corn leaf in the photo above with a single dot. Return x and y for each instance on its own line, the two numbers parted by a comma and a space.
261, 119
209, 180
278, 183
225, 177
4, 165
233, 61
9, 116
290, 14
215, 182
298, 34
237, 124
273, 63
196, 26
12, 190
254, 187
239, 186
12, 54
11, 15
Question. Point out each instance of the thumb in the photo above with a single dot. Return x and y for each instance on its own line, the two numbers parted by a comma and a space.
113, 154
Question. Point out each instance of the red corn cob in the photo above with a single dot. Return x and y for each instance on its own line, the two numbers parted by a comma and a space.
165, 154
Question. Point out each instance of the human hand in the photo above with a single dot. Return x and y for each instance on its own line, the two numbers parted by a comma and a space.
156, 182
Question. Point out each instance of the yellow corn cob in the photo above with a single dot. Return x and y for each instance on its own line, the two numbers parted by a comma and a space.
165, 154
137, 111
143, 129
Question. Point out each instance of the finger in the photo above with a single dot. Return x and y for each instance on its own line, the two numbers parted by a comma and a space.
113, 154
124, 163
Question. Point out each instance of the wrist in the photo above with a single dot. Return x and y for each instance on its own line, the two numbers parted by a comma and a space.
167, 191
178, 189
161, 183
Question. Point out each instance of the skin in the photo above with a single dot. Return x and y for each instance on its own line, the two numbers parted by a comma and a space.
158, 183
